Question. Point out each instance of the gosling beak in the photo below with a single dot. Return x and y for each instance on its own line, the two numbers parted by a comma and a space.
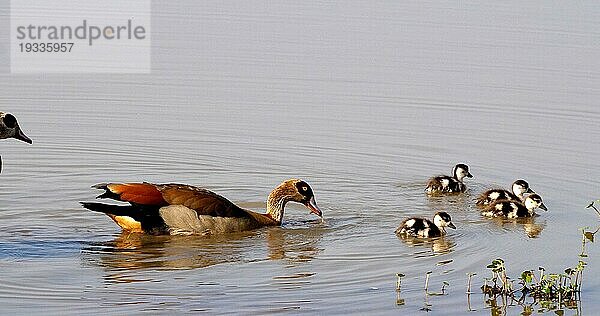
543, 207
22, 137
469, 175
312, 206
529, 190
451, 225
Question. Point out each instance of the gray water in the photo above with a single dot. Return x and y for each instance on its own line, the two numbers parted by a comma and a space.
364, 102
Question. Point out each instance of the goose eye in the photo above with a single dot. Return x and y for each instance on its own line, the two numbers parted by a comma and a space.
9, 120
303, 188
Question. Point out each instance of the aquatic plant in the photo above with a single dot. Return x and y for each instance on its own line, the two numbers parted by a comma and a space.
500, 283
426, 305
594, 207
470, 275
441, 292
549, 290
553, 288
399, 277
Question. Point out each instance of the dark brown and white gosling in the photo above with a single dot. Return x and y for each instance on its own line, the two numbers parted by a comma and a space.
449, 184
515, 209
519, 189
424, 228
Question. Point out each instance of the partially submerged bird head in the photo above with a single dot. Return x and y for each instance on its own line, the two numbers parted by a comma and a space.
294, 190
9, 128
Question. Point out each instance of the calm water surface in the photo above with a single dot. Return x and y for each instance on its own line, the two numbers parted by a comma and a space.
364, 102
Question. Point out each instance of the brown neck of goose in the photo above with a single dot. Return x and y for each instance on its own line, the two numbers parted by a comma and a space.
277, 200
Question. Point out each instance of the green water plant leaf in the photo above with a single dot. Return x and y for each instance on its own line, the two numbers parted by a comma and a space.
527, 276
589, 236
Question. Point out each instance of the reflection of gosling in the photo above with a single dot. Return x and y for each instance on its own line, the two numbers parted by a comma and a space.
519, 188
424, 228
450, 184
533, 230
514, 209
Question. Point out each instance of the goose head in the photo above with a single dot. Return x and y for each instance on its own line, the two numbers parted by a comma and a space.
534, 201
292, 190
9, 128
461, 171
442, 220
520, 187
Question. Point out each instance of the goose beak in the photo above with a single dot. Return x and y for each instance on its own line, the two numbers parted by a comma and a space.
529, 190
469, 175
543, 207
312, 206
451, 225
22, 137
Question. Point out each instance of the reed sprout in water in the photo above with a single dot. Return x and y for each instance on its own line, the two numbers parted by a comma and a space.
551, 291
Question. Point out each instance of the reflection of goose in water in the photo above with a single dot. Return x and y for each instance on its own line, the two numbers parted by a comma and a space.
141, 251
9, 128
296, 245
530, 226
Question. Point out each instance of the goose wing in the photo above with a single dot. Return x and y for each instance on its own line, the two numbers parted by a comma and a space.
202, 201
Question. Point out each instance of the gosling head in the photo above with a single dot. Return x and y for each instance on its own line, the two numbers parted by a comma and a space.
442, 220
520, 187
534, 201
9, 128
461, 171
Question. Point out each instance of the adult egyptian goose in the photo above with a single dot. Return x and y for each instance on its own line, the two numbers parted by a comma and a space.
9, 128
449, 184
184, 209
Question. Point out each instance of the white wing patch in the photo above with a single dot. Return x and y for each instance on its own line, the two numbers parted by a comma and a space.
513, 211
494, 195
183, 220
445, 182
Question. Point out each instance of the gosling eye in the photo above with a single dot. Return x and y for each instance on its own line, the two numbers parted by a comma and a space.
9, 120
